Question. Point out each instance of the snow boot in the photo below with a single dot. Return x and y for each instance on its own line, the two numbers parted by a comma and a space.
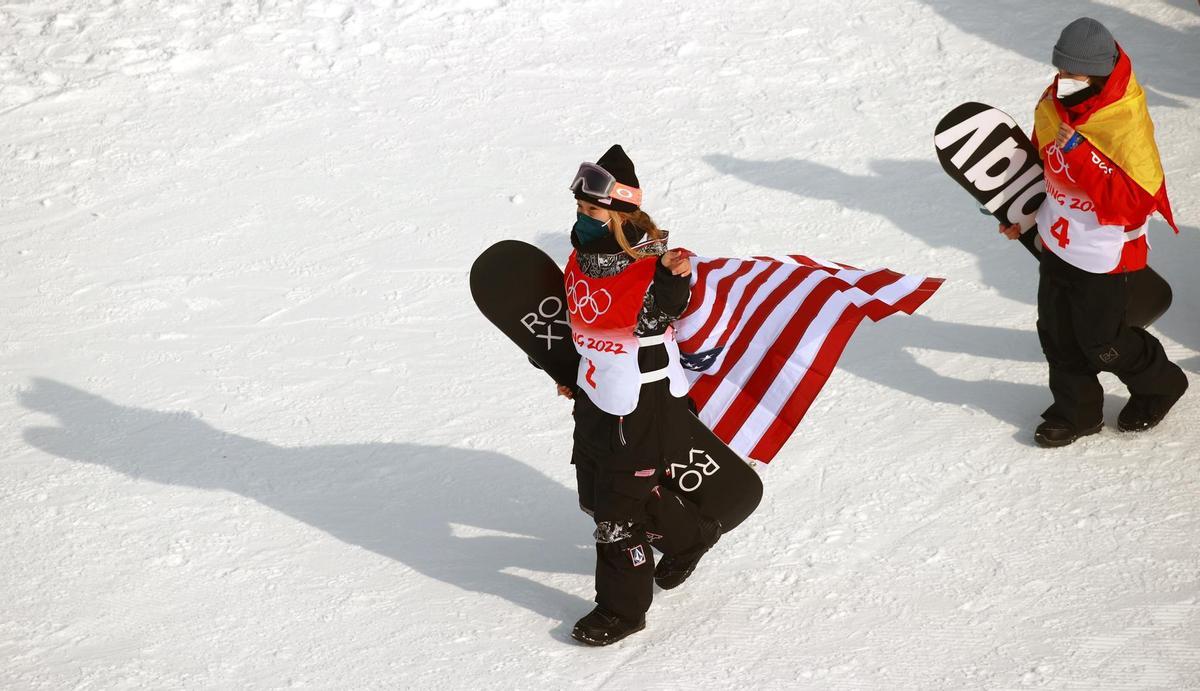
602, 627
1143, 412
1054, 433
674, 569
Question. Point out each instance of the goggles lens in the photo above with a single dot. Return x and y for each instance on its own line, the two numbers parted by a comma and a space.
598, 183
593, 180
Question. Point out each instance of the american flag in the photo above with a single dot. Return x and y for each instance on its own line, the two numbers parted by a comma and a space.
761, 336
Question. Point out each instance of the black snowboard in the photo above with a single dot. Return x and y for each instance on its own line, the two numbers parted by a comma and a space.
520, 290
984, 150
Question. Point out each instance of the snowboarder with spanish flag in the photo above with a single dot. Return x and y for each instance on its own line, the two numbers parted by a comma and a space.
1103, 181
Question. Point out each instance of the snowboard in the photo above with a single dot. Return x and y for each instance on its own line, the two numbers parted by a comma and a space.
984, 150
520, 290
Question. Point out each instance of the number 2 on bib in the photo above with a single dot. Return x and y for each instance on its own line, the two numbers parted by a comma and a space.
1059, 230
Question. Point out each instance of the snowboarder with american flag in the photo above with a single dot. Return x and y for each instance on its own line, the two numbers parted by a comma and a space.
624, 289
746, 343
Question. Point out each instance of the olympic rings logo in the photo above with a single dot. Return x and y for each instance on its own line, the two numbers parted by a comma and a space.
1057, 163
584, 303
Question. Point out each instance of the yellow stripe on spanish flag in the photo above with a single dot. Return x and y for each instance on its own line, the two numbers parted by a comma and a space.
1121, 130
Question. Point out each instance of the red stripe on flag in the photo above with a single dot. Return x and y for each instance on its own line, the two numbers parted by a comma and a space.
696, 340
785, 344
808, 261
913, 301
721, 294
703, 269
802, 398
877, 310
703, 389
792, 412
880, 278
775, 358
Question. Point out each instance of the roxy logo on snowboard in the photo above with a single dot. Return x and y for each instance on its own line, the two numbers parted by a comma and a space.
689, 476
988, 154
540, 322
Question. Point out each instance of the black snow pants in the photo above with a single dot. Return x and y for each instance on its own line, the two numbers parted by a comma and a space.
1081, 325
619, 464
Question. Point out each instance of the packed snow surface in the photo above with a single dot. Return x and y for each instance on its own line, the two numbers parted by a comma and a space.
255, 434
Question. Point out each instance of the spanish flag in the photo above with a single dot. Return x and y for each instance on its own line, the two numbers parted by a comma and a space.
1117, 123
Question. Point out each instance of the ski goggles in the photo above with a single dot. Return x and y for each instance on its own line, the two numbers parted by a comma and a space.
594, 181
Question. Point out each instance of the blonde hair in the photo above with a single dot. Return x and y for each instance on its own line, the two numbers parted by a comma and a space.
639, 220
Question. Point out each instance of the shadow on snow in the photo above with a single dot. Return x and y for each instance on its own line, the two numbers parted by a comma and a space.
918, 198
398, 500
1164, 57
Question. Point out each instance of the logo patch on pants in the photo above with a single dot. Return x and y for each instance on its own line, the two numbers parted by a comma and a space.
637, 555
1109, 356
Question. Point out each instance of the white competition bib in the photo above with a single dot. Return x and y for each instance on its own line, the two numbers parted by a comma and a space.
1069, 227
603, 313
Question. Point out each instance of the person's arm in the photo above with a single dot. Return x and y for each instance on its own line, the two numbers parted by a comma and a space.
672, 284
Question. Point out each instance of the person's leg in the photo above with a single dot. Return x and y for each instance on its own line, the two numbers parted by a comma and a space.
682, 534
624, 575
585, 482
624, 558
1134, 355
1078, 406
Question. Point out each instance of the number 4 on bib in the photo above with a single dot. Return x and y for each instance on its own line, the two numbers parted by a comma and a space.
1060, 231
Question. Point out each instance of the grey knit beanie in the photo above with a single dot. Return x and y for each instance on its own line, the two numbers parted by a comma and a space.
1085, 47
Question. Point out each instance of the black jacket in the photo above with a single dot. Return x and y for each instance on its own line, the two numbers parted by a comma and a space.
658, 429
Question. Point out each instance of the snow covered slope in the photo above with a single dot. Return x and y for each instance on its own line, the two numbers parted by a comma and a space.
254, 433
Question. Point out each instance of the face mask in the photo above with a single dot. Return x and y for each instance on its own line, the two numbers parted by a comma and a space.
588, 229
1066, 87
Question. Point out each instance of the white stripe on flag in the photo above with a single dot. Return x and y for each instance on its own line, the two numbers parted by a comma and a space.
720, 332
740, 372
790, 376
752, 415
897, 291
700, 315
734, 295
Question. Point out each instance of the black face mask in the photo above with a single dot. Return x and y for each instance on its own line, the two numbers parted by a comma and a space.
588, 229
